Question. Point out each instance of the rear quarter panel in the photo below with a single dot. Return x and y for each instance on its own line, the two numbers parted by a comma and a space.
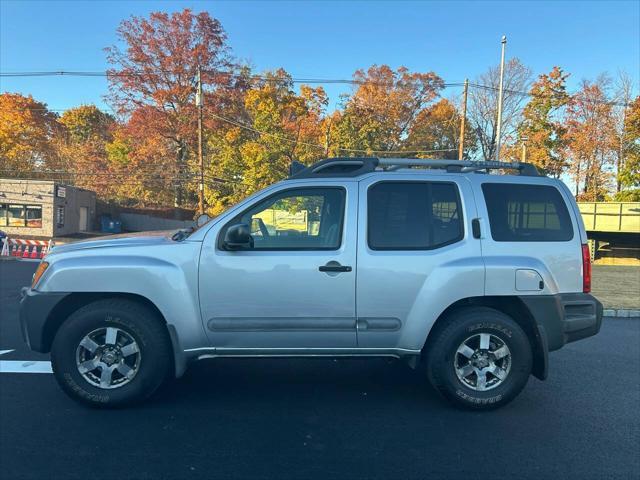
558, 263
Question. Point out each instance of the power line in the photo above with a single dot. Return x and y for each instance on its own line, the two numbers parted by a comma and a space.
316, 145
238, 75
557, 95
265, 78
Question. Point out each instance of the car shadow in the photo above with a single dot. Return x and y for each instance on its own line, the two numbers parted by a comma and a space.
260, 381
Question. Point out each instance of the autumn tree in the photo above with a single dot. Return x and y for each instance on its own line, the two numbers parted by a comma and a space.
81, 144
379, 114
153, 80
437, 129
483, 104
590, 140
629, 171
278, 126
27, 129
542, 128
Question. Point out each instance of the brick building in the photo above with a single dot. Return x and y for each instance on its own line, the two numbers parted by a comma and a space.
40, 208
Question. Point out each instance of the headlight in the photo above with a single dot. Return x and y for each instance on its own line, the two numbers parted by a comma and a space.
36, 276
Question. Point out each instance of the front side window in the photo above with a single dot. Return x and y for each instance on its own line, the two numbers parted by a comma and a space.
527, 213
413, 215
296, 219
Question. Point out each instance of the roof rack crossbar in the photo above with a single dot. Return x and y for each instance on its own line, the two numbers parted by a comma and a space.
354, 166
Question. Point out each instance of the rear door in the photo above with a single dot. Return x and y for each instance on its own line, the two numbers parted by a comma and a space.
416, 256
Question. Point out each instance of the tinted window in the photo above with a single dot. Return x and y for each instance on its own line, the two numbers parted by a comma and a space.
297, 219
527, 213
413, 215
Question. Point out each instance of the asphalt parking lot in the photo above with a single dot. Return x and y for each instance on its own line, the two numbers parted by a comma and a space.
302, 419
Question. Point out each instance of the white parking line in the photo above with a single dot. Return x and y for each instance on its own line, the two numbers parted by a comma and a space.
22, 366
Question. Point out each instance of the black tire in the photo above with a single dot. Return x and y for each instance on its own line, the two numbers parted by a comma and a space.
137, 321
463, 324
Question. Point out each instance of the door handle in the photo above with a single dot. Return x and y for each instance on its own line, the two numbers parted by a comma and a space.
334, 267
475, 228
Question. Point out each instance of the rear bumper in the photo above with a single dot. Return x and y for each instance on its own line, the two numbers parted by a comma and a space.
565, 318
35, 310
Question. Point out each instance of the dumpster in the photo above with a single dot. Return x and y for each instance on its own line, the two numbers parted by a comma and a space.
109, 225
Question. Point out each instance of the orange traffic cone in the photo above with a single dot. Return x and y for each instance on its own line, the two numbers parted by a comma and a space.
34, 252
14, 250
25, 253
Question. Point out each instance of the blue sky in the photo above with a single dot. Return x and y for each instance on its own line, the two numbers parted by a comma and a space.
330, 39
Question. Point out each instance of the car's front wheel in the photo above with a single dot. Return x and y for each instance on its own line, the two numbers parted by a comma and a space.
479, 358
111, 353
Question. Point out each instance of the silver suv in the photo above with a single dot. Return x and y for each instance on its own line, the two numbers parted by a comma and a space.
472, 277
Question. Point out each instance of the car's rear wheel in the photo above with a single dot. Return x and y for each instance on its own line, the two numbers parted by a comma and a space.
479, 358
111, 353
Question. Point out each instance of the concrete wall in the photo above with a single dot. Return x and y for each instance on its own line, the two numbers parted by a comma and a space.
134, 222
43, 193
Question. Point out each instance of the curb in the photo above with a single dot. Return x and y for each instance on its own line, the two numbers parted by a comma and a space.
621, 313
19, 259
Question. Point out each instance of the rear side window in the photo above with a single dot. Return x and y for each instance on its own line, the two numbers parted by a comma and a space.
527, 213
413, 215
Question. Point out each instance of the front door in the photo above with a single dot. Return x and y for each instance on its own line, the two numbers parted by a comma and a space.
294, 288
84, 219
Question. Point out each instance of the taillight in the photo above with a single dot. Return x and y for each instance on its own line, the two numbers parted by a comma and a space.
586, 269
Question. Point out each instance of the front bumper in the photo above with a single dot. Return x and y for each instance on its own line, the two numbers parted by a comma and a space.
35, 312
566, 317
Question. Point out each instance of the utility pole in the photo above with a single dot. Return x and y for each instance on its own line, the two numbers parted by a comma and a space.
499, 122
524, 149
463, 119
199, 103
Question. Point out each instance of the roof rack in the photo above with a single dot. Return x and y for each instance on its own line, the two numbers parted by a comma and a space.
356, 166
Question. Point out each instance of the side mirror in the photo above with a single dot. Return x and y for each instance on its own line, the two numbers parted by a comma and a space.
202, 219
238, 237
